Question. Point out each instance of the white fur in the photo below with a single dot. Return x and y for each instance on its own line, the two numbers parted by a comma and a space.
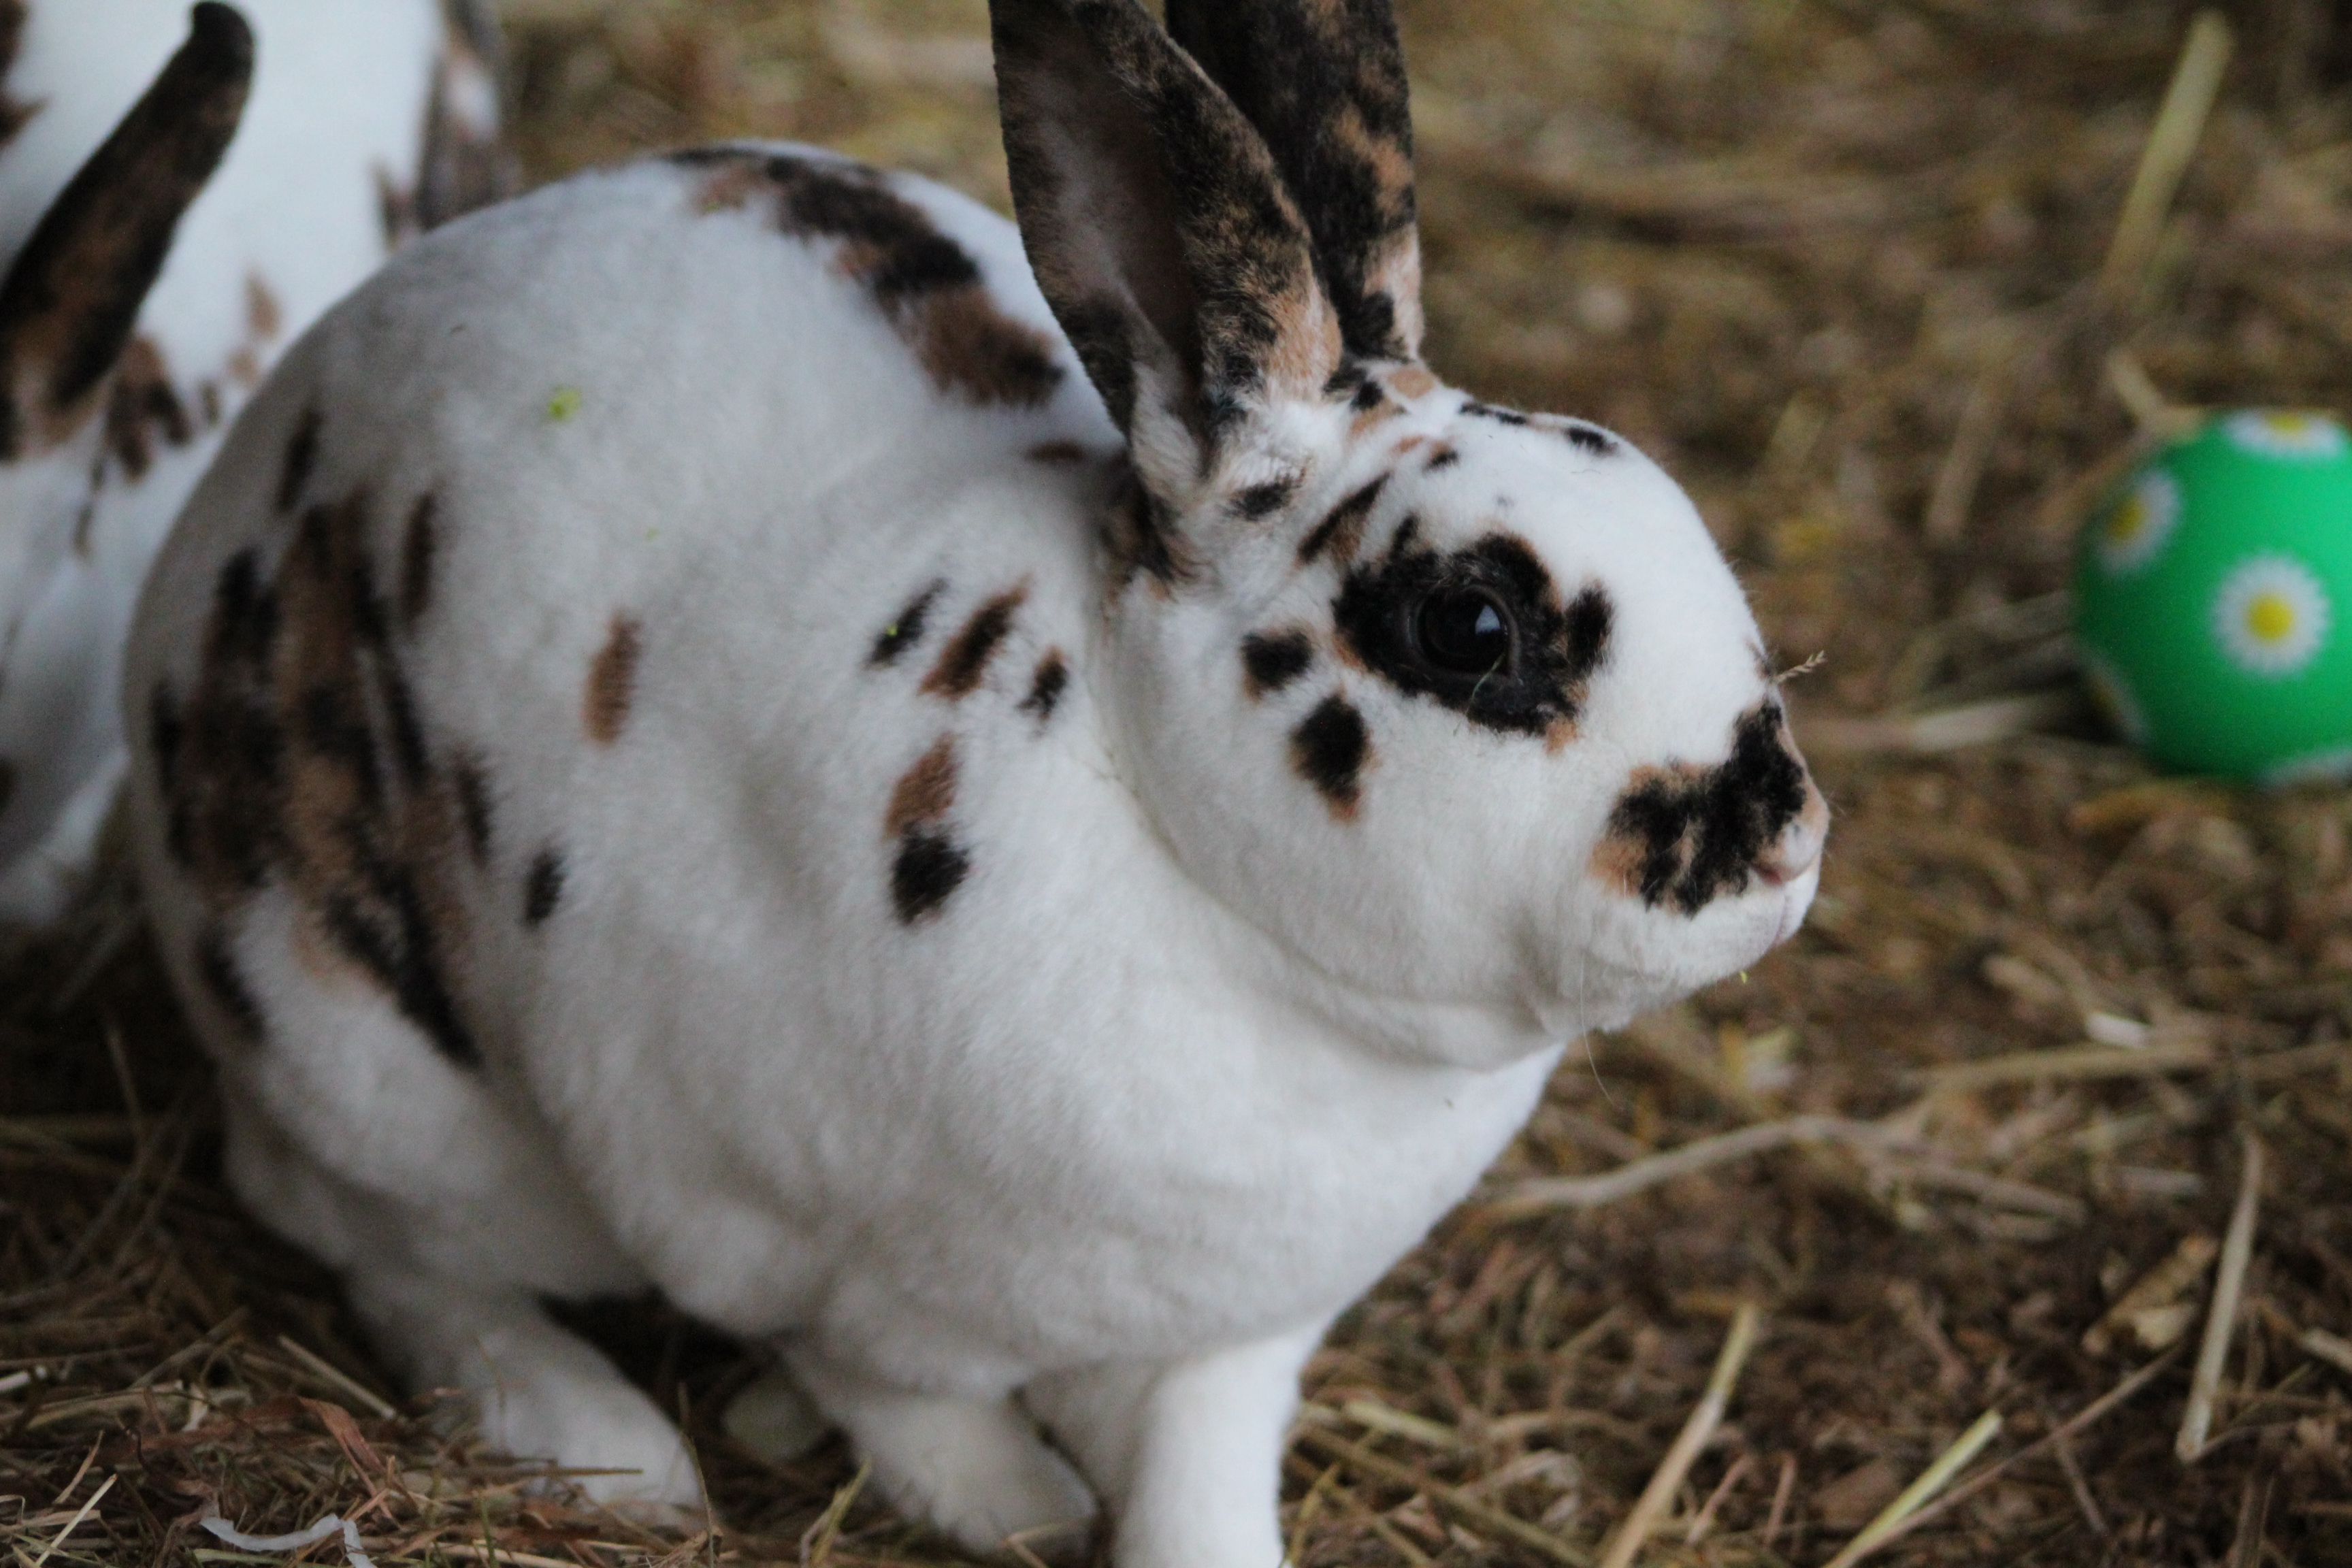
338, 104
1180, 1068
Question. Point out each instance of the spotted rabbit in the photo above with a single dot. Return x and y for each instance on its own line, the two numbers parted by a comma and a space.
1017, 829
155, 269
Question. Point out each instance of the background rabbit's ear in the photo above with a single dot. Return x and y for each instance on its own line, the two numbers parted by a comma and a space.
74, 292
1160, 232
1324, 82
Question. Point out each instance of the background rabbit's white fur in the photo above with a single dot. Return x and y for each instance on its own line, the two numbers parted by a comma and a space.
673, 747
363, 122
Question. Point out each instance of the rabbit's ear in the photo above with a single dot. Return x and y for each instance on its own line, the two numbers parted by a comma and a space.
1161, 232
74, 292
1324, 82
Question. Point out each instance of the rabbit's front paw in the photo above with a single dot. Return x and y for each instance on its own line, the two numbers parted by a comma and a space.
976, 1472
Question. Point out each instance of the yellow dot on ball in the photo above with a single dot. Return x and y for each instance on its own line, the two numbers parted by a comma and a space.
2292, 426
2268, 617
2128, 521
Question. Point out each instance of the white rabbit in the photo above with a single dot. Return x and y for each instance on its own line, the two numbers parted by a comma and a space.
366, 120
683, 744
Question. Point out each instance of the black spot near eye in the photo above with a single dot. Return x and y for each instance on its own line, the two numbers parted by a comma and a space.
1272, 660
1480, 629
1464, 631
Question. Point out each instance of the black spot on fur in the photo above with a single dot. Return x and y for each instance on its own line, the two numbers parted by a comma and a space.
302, 459
1510, 416
963, 663
1263, 500
906, 627
217, 971
1682, 836
474, 808
1589, 438
1346, 380
1444, 458
1272, 660
1329, 749
1046, 686
542, 887
1139, 535
1368, 396
928, 867
1345, 525
1556, 648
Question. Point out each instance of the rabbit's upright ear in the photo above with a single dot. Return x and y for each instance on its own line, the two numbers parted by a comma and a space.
1324, 82
1161, 235
74, 292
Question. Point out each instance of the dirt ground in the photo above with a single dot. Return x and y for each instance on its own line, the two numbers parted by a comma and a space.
1838, 265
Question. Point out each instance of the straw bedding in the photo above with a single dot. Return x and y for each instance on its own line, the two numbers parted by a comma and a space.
1851, 268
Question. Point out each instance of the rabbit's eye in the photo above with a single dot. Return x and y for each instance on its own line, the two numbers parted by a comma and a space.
1464, 631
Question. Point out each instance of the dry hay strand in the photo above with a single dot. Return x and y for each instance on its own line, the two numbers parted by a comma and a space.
1836, 262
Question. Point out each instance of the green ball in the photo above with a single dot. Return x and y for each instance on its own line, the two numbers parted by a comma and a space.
2214, 600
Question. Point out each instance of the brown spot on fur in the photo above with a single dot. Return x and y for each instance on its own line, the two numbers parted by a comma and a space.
1413, 380
73, 292
1341, 532
613, 681
264, 317
963, 663
418, 546
142, 409
927, 286
1061, 452
924, 792
301, 458
301, 761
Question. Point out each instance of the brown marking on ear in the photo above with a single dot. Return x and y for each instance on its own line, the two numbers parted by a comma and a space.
301, 761
1323, 83
1156, 220
73, 292
963, 663
613, 681
1057, 452
301, 458
1330, 749
142, 408
1341, 532
925, 793
1413, 380
1046, 684
418, 545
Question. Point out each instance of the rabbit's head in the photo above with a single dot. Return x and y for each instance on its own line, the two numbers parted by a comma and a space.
73, 292
1458, 704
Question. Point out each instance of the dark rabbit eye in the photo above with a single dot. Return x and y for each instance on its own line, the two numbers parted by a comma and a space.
1464, 631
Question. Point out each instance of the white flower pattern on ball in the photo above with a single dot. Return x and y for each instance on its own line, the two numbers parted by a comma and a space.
2272, 615
2136, 528
2287, 432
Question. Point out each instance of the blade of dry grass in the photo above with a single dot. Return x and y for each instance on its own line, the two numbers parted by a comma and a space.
1703, 1420
1915, 1495
2221, 1319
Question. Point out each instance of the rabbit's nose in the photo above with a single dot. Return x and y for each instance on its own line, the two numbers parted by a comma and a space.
1799, 849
